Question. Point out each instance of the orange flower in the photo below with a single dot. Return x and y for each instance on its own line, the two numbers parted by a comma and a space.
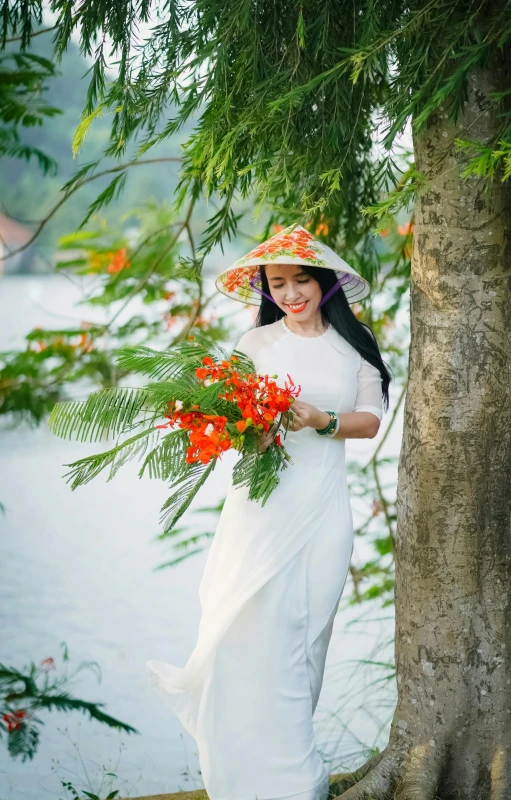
118, 261
406, 229
86, 343
322, 227
257, 398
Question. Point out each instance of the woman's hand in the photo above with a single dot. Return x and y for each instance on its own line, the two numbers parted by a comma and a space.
266, 439
306, 416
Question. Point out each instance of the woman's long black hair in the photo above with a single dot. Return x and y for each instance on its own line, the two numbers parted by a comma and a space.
338, 312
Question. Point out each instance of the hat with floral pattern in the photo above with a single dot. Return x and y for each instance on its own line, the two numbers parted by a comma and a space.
292, 245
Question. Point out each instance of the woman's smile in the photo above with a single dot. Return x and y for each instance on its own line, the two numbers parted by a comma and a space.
297, 307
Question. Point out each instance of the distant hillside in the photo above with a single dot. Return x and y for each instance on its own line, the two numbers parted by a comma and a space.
27, 195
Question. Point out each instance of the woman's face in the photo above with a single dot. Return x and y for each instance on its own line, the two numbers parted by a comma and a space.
296, 292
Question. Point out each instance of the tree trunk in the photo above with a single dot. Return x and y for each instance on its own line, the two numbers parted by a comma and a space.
451, 732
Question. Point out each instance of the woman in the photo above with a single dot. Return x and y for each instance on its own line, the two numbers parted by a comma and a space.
274, 575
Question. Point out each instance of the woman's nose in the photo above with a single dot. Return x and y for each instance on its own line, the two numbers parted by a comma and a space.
292, 295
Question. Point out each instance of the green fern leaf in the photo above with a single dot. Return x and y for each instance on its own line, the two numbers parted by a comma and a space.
169, 363
168, 459
107, 412
182, 388
177, 503
65, 702
85, 469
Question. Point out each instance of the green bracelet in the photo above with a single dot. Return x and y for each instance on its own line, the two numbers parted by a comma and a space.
331, 425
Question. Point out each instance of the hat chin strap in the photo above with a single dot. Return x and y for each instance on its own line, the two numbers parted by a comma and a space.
325, 297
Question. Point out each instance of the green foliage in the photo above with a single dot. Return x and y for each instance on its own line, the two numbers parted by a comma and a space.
23, 742
103, 414
78, 795
25, 692
292, 120
70, 185
487, 162
166, 460
22, 82
116, 270
170, 363
259, 472
120, 411
85, 469
176, 505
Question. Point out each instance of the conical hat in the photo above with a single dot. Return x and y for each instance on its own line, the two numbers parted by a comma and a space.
292, 245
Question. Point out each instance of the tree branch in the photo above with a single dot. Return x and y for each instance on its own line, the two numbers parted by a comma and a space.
75, 188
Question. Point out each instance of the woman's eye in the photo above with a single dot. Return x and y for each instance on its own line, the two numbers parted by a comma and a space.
282, 286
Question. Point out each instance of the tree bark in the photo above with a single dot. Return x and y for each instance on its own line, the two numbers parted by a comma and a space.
451, 732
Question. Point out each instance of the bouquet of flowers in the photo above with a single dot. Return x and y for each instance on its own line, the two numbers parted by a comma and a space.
202, 404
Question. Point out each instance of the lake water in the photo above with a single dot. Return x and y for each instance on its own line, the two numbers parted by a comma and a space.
80, 568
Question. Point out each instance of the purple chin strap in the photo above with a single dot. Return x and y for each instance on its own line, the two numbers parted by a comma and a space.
325, 297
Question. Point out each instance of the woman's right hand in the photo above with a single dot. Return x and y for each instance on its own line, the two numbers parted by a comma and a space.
266, 439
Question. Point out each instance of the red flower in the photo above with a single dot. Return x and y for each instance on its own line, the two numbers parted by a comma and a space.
258, 400
13, 719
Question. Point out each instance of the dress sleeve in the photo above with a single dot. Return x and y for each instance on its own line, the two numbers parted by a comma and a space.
369, 395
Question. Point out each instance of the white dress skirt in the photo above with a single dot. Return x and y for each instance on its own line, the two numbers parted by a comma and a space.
271, 586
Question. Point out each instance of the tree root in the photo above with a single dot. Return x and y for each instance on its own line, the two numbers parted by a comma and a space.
377, 778
393, 775
419, 774
343, 780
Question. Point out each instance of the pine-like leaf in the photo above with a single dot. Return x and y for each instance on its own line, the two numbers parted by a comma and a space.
191, 391
162, 364
23, 742
167, 460
154, 363
134, 448
65, 702
107, 412
177, 503
182, 388
85, 469
258, 471
245, 362
265, 476
243, 469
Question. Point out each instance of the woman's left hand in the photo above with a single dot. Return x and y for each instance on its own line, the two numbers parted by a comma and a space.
305, 415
